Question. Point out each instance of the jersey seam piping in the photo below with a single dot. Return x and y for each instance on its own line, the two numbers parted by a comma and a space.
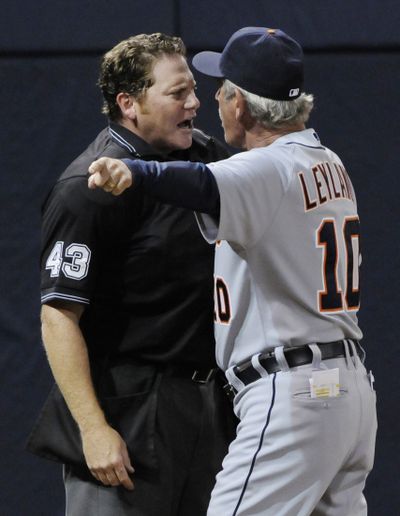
259, 446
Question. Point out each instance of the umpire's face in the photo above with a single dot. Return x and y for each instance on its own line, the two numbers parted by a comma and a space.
164, 115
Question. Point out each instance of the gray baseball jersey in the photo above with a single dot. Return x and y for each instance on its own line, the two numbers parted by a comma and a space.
281, 278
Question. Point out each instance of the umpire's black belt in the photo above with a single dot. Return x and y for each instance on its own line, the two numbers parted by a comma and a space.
196, 374
295, 357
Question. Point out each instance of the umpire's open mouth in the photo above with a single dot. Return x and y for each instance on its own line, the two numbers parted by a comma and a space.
186, 124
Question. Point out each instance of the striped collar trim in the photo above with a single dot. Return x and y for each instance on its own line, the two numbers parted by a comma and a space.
121, 141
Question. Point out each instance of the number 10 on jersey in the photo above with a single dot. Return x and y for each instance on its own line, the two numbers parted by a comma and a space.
334, 297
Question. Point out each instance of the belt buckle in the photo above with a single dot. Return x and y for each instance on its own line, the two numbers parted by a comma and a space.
196, 377
230, 391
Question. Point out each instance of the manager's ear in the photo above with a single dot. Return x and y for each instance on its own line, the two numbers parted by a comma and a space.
127, 105
242, 113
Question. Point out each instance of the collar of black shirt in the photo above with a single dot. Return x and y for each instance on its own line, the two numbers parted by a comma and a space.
142, 149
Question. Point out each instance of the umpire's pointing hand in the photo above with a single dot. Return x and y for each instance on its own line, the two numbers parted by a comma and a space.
112, 175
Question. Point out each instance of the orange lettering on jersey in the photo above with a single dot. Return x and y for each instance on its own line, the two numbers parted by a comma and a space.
318, 184
336, 192
341, 181
222, 312
323, 169
308, 204
346, 179
331, 183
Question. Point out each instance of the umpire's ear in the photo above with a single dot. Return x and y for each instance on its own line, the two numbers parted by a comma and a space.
127, 105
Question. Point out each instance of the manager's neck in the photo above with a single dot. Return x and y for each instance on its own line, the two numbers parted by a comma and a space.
259, 136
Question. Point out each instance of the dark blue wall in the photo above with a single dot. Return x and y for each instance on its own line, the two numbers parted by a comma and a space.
50, 109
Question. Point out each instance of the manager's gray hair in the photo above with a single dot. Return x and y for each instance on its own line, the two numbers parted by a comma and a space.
273, 114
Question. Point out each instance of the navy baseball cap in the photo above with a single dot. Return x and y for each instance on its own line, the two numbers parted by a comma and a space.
263, 61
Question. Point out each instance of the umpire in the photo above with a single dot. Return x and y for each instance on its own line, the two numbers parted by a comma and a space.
127, 316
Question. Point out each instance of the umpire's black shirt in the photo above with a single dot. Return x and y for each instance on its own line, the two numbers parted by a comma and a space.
141, 267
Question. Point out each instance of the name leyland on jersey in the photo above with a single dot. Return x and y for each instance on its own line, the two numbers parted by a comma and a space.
330, 182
